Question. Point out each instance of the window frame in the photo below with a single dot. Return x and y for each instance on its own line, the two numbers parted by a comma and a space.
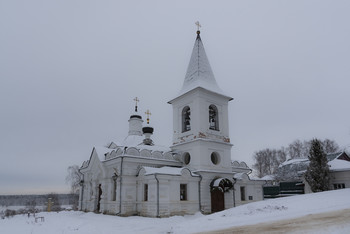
183, 192
242, 191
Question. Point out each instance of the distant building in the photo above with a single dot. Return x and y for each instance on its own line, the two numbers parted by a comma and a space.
339, 166
137, 177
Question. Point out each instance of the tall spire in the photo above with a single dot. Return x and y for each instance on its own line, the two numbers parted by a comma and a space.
199, 73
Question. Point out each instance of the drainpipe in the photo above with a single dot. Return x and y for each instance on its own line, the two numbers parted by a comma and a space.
233, 192
120, 186
199, 194
82, 193
81, 183
155, 176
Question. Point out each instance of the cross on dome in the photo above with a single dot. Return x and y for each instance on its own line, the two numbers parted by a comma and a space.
136, 101
148, 113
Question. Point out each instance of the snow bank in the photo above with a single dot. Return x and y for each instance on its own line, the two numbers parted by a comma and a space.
270, 210
70, 222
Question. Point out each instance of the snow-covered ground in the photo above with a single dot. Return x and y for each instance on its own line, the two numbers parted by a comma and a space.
266, 211
40, 208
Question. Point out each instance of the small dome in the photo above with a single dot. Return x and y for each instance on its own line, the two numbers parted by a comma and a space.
135, 116
147, 130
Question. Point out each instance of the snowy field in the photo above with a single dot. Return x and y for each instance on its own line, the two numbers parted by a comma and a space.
332, 210
3, 208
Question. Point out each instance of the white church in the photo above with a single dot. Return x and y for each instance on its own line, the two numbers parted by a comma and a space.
194, 174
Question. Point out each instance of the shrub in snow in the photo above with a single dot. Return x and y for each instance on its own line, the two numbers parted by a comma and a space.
9, 213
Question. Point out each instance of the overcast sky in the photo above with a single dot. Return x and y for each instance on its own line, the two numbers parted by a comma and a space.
69, 71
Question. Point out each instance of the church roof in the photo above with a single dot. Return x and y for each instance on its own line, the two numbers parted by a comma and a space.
199, 72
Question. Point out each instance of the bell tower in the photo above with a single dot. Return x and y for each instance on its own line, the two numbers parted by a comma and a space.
200, 117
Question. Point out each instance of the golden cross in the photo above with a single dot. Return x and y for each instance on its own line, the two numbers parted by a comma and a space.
136, 100
148, 114
198, 25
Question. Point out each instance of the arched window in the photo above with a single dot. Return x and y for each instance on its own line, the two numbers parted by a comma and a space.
213, 118
186, 119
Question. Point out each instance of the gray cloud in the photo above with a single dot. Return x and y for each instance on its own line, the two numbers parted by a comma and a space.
70, 69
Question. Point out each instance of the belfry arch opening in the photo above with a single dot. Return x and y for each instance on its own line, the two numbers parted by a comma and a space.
213, 118
186, 119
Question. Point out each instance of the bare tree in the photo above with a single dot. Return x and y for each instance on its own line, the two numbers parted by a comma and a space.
330, 146
30, 205
259, 164
296, 149
268, 160
73, 178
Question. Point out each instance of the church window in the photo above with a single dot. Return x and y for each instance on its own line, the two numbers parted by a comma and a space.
242, 193
183, 192
215, 158
187, 158
213, 118
145, 192
250, 198
186, 119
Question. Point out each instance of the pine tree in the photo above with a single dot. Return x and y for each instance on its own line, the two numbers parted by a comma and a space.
317, 174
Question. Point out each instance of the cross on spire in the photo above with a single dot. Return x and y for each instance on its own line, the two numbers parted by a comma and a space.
148, 113
136, 101
198, 25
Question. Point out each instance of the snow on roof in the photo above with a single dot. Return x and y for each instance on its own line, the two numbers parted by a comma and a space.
334, 165
217, 182
339, 164
294, 161
137, 142
132, 141
164, 170
239, 164
333, 156
241, 176
267, 177
154, 148
101, 151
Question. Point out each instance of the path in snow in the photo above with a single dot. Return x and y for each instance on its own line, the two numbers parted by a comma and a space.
327, 222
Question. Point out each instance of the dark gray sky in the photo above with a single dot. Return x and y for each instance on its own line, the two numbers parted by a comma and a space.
70, 69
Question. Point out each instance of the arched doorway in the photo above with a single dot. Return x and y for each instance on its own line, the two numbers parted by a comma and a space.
217, 189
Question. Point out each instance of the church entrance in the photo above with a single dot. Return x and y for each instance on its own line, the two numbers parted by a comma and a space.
99, 198
218, 187
217, 200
